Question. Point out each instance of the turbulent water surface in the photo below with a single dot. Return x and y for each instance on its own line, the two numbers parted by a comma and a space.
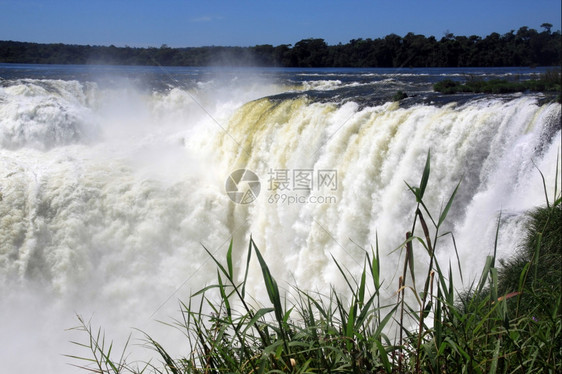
113, 178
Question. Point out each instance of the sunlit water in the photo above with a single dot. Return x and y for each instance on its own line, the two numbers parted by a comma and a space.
113, 179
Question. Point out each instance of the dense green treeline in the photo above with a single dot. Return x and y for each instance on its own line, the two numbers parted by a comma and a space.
526, 47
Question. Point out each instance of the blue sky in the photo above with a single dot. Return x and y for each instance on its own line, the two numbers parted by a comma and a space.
178, 23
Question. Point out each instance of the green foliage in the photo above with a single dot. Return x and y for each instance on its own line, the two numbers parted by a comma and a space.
535, 270
548, 81
527, 47
399, 95
487, 329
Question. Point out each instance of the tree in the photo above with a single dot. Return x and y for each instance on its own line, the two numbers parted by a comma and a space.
547, 27
310, 53
526, 47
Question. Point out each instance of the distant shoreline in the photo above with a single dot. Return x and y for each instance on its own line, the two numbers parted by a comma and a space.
526, 47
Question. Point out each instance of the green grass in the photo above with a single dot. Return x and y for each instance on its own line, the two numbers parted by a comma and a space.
547, 82
509, 321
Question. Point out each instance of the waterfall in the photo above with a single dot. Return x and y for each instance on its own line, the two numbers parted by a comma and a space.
108, 194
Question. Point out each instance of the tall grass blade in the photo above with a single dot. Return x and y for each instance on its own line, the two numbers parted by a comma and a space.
496, 240
437, 321
484, 276
248, 257
257, 316
445, 211
273, 293
383, 354
375, 267
170, 364
544, 182
361, 295
224, 296
494, 283
494, 366
270, 284
229, 259
458, 257
555, 179
365, 311
225, 272
205, 289
349, 331
343, 273
384, 322
425, 177
409, 263
523, 277
451, 291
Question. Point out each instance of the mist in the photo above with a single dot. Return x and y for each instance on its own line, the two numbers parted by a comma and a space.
112, 186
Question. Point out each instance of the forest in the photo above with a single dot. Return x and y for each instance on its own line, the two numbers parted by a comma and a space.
524, 47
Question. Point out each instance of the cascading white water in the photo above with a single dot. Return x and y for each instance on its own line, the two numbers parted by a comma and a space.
108, 194
489, 145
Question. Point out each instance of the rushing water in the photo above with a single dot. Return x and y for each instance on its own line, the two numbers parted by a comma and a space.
113, 178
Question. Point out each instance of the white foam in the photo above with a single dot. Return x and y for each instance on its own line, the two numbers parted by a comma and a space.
111, 224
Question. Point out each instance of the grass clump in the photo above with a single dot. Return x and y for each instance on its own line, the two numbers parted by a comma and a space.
495, 327
549, 81
538, 261
399, 95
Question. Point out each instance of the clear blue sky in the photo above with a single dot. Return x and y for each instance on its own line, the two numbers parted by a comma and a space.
142, 23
